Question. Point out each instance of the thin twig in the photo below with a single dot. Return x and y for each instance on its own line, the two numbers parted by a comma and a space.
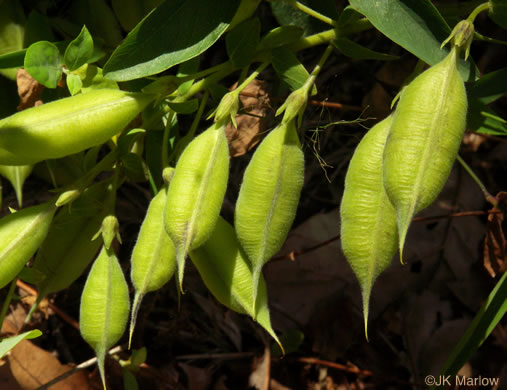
82, 366
213, 356
64, 316
293, 254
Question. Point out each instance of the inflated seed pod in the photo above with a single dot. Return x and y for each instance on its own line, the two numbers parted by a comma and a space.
17, 176
153, 258
196, 192
269, 196
369, 234
68, 125
21, 233
227, 274
104, 309
68, 248
425, 136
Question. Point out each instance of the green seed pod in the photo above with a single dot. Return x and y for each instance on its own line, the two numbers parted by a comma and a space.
17, 176
153, 258
196, 193
369, 234
68, 248
67, 126
269, 196
104, 309
425, 136
21, 233
226, 272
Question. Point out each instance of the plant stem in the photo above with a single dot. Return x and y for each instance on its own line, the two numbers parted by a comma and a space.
477, 11
317, 15
252, 76
490, 198
165, 140
222, 70
227, 68
7, 301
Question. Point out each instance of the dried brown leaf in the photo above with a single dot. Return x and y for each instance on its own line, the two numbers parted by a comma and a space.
29, 90
495, 245
32, 367
251, 123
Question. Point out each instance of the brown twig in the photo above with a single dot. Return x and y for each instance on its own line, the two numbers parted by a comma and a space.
293, 254
213, 356
64, 316
338, 366
321, 103
354, 370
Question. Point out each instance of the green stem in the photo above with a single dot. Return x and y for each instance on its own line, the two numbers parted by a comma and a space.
165, 140
490, 198
204, 73
204, 83
183, 142
320, 64
226, 68
488, 39
317, 15
477, 11
7, 301
252, 77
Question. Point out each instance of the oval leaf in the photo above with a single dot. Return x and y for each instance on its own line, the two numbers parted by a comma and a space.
7, 344
417, 26
188, 28
79, 51
43, 61
242, 42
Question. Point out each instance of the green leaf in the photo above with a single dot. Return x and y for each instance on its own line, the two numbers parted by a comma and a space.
187, 107
498, 12
134, 167
415, 25
130, 12
17, 176
481, 118
242, 41
37, 28
79, 51
359, 52
482, 325
281, 36
16, 59
92, 78
185, 69
43, 61
11, 32
490, 87
127, 139
74, 83
99, 18
286, 14
226, 272
348, 16
7, 344
289, 69
189, 27
129, 380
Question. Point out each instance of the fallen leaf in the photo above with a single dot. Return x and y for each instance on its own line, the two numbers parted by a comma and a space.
495, 245
251, 123
29, 90
197, 378
33, 367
